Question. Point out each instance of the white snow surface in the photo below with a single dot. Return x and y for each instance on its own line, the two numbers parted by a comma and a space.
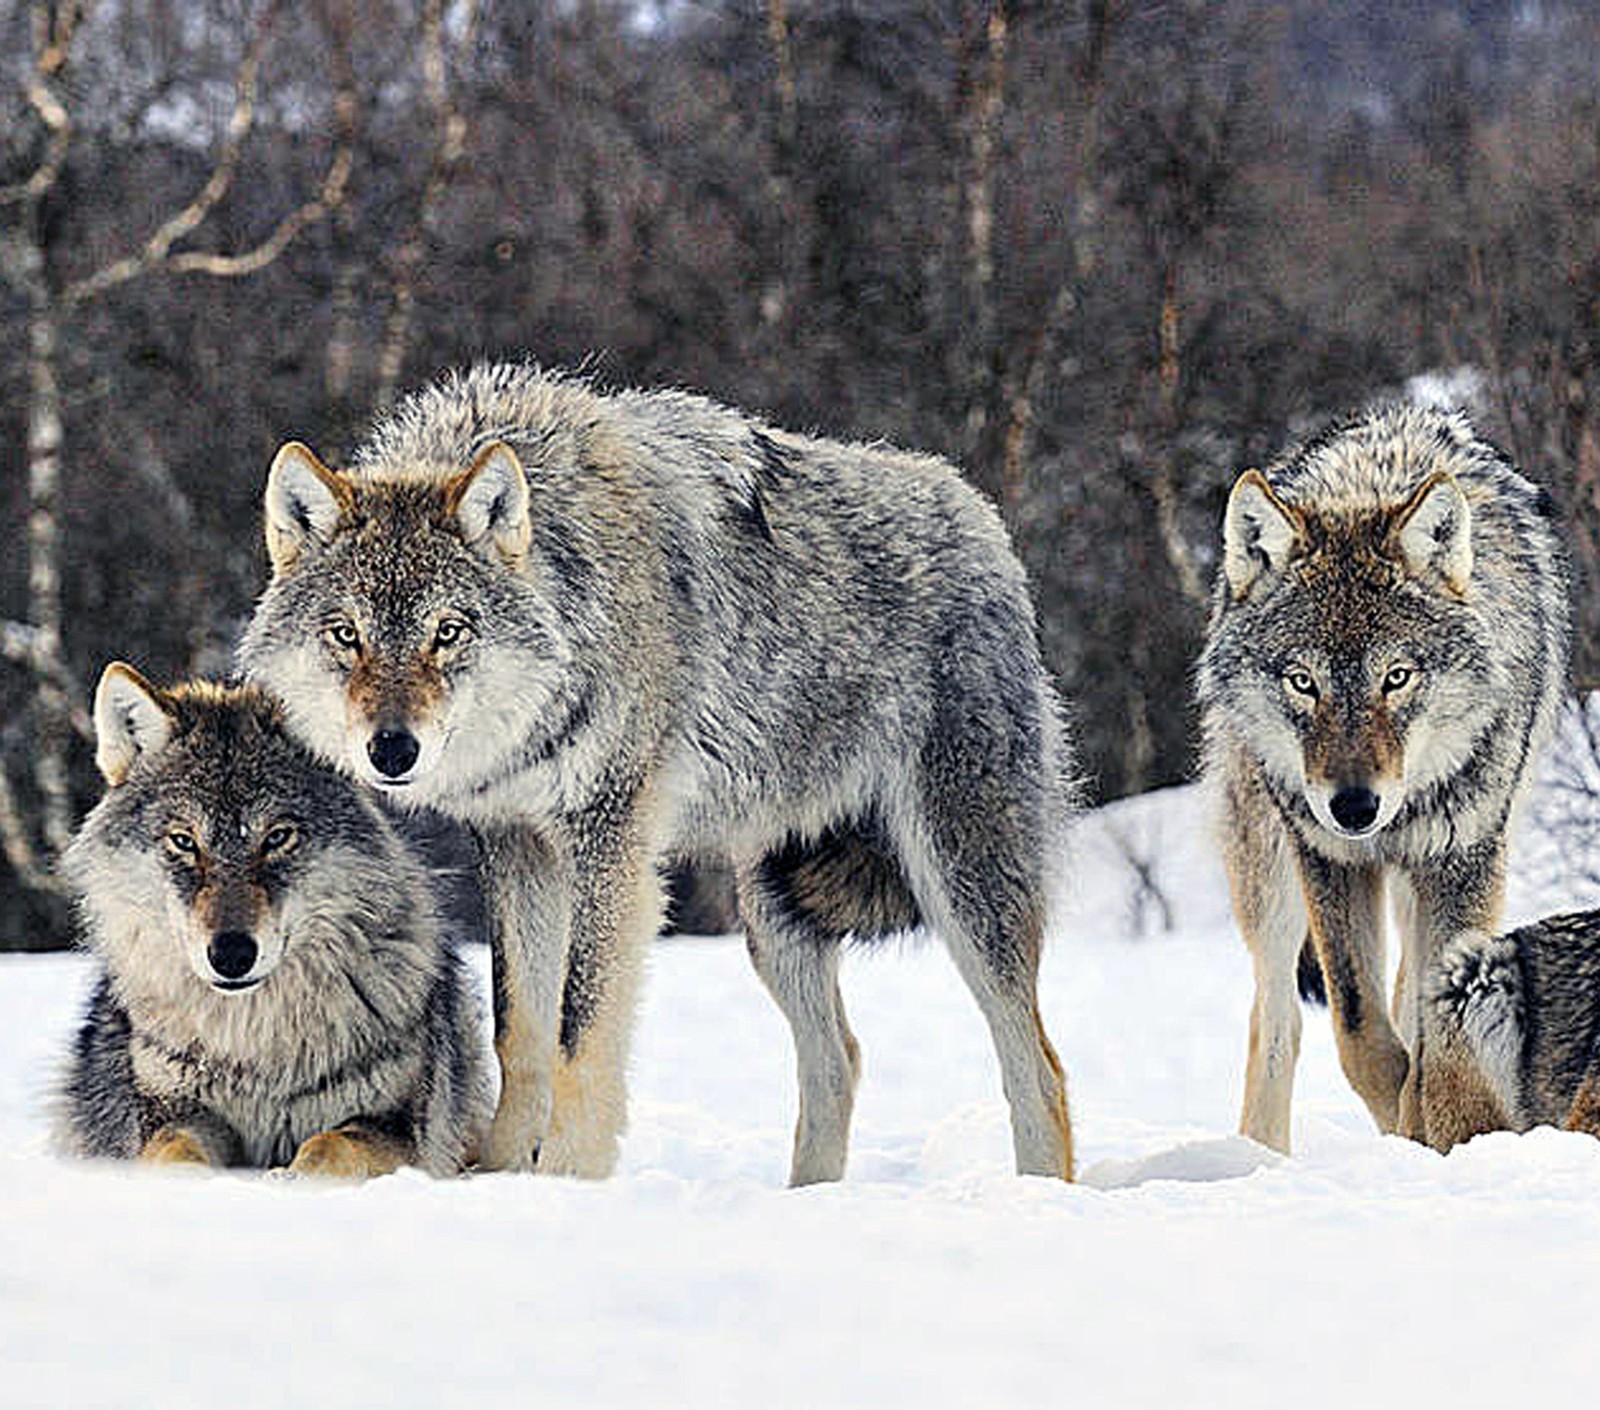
1188, 1267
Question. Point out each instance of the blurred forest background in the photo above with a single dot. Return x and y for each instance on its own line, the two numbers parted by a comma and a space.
1104, 253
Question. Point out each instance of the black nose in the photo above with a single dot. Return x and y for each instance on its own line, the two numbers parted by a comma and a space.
393, 751
1354, 808
232, 953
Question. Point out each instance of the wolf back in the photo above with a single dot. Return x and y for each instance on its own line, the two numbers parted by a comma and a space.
1385, 656
604, 629
274, 987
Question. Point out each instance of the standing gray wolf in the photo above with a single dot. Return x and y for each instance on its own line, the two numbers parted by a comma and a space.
604, 630
1385, 655
1522, 1012
275, 988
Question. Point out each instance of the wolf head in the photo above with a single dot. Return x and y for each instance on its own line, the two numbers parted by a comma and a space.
1344, 646
398, 612
221, 845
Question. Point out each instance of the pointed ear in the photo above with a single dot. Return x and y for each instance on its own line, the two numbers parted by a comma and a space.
305, 500
1259, 532
1433, 533
489, 503
131, 717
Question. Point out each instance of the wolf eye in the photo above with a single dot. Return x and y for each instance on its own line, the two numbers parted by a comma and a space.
280, 838
1398, 678
450, 632
343, 635
181, 843
1301, 682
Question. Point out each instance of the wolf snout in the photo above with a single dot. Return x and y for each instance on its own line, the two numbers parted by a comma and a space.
232, 954
1354, 809
393, 752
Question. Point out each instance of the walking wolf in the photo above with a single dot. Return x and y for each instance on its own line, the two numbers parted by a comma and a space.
607, 629
1385, 655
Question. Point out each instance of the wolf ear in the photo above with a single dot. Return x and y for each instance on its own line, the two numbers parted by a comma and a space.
131, 717
305, 500
489, 502
1259, 532
1433, 532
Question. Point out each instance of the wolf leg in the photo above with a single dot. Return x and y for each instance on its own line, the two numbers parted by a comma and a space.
201, 1139
1345, 907
617, 912
1269, 904
352, 1152
528, 881
1443, 1102
797, 958
981, 887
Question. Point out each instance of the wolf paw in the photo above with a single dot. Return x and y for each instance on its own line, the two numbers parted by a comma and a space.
344, 1155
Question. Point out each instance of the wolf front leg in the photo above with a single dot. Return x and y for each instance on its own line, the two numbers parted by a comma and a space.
1444, 1100
617, 909
1269, 904
353, 1151
1345, 908
198, 1138
528, 880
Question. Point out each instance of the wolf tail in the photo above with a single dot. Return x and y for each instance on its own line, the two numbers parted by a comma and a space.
1477, 986
1313, 987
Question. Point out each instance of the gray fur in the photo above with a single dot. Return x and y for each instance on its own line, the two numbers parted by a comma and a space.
1527, 1006
693, 634
1397, 546
358, 1014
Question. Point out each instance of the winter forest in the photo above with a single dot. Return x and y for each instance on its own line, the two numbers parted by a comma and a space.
1104, 255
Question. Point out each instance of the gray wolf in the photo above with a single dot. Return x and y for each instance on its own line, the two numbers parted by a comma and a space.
1521, 1013
605, 630
1385, 655
274, 989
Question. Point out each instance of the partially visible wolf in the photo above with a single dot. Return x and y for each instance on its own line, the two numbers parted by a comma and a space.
606, 629
1386, 652
275, 987
1522, 1012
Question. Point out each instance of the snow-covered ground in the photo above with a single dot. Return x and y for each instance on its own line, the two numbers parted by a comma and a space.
1187, 1268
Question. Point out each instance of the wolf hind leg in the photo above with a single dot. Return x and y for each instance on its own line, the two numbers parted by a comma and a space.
796, 955
982, 888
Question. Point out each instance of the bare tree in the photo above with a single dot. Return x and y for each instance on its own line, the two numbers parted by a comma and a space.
51, 299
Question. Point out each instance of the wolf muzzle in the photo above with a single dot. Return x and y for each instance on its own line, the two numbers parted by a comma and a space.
393, 752
1354, 809
232, 954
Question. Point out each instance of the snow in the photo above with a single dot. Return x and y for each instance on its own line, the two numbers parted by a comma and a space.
1187, 1267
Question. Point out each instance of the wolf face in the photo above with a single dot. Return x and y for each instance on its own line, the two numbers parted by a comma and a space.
392, 618
218, 842
1350, 648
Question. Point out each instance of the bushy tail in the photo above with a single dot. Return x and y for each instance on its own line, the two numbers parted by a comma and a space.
1476, 988
1309, 977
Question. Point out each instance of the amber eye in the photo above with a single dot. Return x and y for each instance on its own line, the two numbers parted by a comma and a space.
1300, 681
1398, 678
181, 843
280, 838
452, 631
343, 635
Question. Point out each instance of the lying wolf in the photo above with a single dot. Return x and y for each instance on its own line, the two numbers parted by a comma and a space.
275, 989
1518, 1016
605, 630
1386, 653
